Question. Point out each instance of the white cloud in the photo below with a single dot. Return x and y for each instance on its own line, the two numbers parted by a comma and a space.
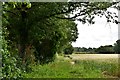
100, 33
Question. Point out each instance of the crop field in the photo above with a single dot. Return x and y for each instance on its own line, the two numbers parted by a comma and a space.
94, 56
88, 67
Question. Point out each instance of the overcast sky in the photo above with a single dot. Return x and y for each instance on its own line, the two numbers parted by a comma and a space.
100, 33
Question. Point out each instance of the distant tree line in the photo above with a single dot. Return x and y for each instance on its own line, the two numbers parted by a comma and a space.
107, 49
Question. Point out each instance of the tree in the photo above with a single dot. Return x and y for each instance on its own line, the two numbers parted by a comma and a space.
107, 49
117, 47
62, 33
40, 24
46, 35
86, 11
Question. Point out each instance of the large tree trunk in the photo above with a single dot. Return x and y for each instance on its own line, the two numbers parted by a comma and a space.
21, 50
23, 31
23, 42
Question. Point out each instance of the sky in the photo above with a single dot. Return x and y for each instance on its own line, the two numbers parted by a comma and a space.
95, 35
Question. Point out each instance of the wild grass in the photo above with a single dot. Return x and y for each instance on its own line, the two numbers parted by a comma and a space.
62, 68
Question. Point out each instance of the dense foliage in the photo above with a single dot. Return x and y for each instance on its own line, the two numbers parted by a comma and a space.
10, 66
117, 47
69, 49
108, 49
44, 33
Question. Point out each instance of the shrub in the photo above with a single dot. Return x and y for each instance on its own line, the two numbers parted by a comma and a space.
69, 50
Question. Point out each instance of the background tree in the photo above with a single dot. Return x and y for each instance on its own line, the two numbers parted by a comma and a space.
117, 47
107, 49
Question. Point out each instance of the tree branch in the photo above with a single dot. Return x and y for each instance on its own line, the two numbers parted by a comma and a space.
11, 12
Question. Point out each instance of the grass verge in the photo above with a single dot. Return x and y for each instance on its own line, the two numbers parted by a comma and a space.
62, 68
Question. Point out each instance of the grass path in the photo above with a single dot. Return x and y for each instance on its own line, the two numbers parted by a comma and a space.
86, 66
